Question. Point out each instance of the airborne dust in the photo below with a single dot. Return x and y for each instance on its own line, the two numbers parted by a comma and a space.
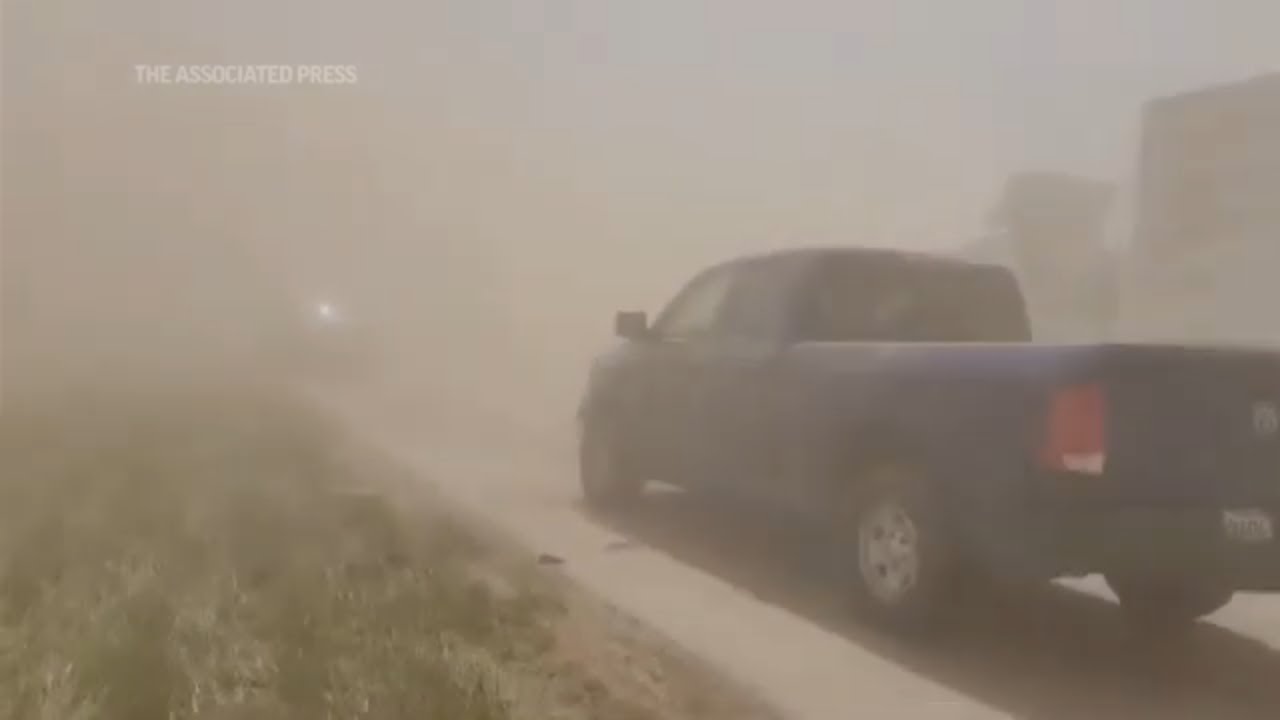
496, 183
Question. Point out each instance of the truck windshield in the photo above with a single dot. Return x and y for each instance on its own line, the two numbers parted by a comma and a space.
917, 302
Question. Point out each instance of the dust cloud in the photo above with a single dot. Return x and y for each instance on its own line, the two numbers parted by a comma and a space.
183, 229
497, 182
180, 228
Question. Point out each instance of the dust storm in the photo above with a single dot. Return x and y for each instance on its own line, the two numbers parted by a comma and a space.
427, 214
483, 214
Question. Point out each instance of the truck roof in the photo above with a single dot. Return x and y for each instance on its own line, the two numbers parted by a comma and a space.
820, 253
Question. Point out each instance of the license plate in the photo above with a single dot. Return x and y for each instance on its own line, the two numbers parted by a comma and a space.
1247, 526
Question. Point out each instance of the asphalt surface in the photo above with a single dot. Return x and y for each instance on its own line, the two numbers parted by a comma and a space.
744, 594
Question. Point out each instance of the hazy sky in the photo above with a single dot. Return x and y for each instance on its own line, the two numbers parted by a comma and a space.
884, 116
600, 150
815, 120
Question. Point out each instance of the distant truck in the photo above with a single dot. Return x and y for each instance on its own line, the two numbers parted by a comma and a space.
1050, 229
894, 402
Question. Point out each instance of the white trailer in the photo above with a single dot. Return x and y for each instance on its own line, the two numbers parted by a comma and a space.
1205, 251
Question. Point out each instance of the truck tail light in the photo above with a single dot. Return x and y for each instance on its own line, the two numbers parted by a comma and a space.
1076, 435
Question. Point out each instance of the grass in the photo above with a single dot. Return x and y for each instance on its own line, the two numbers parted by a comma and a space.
218, 553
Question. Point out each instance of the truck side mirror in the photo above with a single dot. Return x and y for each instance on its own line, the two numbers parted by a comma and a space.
631, 325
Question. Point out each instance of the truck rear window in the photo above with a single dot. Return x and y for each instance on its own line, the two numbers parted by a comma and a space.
916, 301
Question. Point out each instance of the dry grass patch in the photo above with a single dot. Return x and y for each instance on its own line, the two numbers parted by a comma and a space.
223, 553
214, 553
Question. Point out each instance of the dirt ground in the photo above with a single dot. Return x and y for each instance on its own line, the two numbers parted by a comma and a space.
606, 665
603, 663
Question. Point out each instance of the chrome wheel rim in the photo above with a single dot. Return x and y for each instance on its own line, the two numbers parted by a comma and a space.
888, 552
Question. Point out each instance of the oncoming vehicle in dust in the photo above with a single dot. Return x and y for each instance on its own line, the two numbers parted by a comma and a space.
325, 338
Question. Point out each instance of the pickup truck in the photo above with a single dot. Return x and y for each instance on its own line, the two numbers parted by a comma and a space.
896, 403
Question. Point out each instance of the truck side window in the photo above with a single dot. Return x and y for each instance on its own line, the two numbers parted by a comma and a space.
761, 300
696, 310
838, 305
852, 302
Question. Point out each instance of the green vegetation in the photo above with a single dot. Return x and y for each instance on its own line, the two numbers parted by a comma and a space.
223, 554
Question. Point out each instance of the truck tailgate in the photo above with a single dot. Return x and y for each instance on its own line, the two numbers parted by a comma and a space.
1192, 425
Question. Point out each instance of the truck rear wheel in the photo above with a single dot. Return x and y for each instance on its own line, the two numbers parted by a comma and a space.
1166, 604
903, 570
607, 482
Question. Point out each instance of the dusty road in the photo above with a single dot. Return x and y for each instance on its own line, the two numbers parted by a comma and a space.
732, 589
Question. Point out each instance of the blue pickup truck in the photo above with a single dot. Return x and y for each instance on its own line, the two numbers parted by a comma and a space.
895, 401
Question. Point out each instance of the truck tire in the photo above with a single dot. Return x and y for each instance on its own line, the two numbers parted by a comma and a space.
607, 484
1153, 604
904, 573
